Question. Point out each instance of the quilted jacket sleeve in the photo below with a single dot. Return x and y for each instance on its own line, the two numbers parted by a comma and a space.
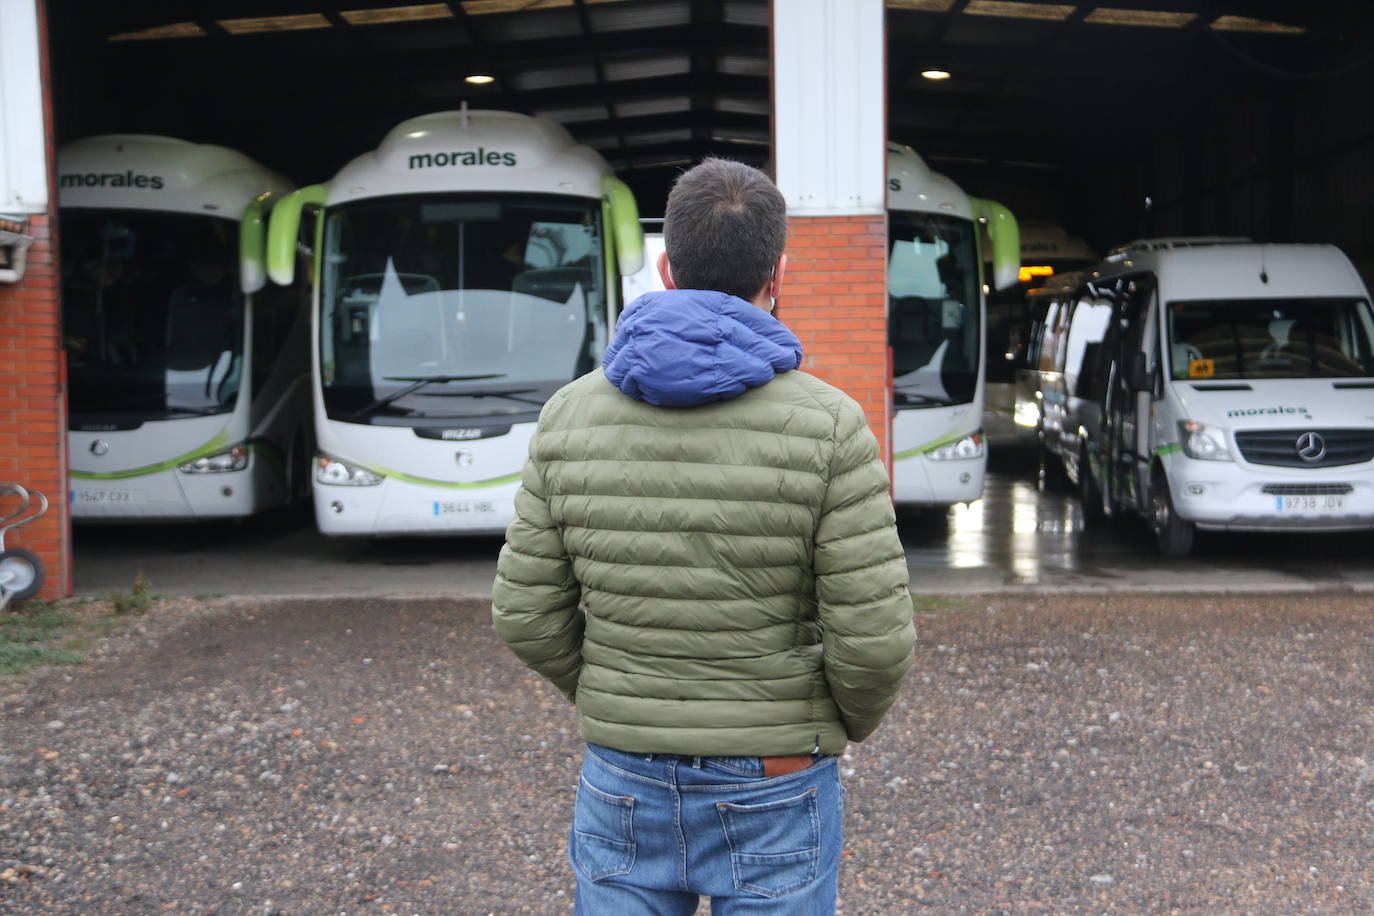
861, 581
535, 596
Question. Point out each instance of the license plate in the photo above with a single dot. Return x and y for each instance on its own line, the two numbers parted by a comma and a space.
1309, 503
463, 507
107, 497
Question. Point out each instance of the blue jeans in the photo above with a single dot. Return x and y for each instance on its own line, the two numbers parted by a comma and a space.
653, 832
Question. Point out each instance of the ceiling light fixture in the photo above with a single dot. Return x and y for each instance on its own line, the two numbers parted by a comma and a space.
480, 79
936, 74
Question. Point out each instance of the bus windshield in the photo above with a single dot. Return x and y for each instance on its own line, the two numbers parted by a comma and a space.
152, 315
494, 301
933, 303
1271, 338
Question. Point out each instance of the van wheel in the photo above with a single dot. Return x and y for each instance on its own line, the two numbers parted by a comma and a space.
1050, 471
1089, 494
1176, 537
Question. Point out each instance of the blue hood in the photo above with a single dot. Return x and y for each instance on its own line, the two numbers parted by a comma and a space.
684, 347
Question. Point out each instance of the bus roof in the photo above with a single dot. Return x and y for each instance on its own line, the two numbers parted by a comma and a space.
912, 186
473, 151
148, 172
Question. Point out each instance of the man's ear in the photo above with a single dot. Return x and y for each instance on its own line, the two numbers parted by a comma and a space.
775, 281
665, 271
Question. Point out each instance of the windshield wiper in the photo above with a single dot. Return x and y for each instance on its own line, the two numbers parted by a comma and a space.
512, 394
416, 382
907, 397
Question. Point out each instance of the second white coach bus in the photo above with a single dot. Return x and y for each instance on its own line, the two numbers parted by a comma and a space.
464, 271
187, 377
936, 307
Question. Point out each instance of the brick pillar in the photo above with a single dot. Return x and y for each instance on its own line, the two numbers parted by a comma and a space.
834, 298
830, 162
33, 407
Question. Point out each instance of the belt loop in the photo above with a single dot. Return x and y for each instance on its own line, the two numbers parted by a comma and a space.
696, 763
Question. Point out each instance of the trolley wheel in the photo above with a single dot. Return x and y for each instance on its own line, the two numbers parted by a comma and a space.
21, 573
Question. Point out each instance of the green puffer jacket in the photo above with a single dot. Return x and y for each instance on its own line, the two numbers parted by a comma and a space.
744, 588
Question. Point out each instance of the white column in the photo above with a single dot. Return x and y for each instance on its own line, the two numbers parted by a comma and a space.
830, 106
23, 158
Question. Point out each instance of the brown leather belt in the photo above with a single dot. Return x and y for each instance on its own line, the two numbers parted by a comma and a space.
781, 766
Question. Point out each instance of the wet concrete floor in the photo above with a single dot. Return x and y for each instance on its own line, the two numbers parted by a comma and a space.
1018, 537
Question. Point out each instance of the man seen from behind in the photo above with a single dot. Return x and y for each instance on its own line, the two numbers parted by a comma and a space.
704, 560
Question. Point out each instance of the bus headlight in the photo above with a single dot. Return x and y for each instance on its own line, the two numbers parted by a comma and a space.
1203, 442
342, 474
233, 458
961, 449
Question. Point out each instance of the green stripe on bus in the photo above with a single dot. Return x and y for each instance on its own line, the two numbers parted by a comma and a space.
929, 446
446, 484
214, 445
1169, 449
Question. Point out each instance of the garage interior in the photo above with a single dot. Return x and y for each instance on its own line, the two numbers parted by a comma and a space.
1154, 117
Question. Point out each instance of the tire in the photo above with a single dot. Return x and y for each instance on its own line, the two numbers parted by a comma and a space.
1051, 476
25, 573
1089, 495
1175, 536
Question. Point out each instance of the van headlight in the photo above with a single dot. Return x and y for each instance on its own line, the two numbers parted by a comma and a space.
1203, 442
233, 458
342, 474
961, 449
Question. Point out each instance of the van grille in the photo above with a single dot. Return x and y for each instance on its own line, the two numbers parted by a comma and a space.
1308, 489
1279, 447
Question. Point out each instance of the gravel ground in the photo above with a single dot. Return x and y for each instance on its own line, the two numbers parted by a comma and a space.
1056, 754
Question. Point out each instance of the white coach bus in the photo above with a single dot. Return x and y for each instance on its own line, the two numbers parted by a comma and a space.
464, 271
187, 377
937, 328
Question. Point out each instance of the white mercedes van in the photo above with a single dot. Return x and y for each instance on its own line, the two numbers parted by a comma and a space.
1234, 387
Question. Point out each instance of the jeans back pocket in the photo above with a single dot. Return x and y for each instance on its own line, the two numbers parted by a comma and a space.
603, 832
775, 847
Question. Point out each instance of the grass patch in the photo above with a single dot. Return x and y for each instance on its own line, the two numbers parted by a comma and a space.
36, 634
136, 601
16, 659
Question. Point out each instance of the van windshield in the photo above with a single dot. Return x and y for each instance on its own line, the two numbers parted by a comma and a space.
1271, 338
933, 301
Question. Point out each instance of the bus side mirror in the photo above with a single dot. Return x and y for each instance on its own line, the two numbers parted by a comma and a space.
1005, 237
284, 227
253, 246
625, 230
1138, 374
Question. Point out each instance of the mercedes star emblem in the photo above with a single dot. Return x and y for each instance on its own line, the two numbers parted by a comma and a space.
463, 456
99, 447
1311, 447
